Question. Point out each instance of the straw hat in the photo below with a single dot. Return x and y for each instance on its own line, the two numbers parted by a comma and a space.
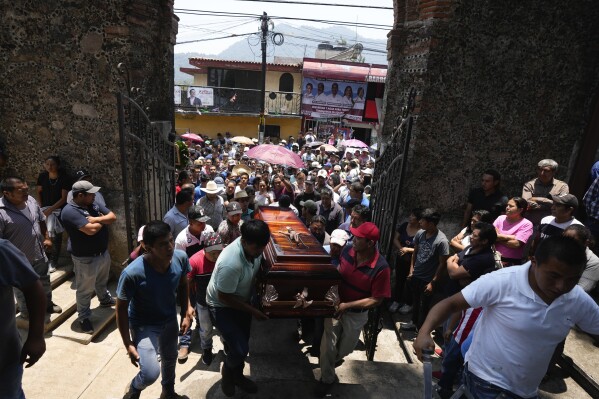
211, 188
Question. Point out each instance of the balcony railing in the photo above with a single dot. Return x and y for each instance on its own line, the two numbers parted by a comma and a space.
240, 101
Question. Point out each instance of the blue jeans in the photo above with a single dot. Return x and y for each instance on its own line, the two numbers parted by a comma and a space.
204, 327
10, 382
41, 268
157, 349
234, 326
452, 362
482, 389
91, 274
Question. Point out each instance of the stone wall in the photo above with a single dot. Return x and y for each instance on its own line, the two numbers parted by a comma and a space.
58, 68
500, 84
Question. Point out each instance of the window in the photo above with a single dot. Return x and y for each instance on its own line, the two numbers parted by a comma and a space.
272, 131
286, 82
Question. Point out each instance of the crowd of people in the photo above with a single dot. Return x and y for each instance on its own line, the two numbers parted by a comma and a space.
206, 252
216, 199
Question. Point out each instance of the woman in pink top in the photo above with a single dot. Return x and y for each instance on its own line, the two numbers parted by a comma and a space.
513, 232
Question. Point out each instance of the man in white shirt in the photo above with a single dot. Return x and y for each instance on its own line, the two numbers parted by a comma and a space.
527, 311
334, 98
562, 216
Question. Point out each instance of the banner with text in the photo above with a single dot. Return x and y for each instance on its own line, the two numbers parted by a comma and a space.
333, 98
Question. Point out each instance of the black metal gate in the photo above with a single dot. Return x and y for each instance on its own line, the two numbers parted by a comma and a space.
388, 178
148, 166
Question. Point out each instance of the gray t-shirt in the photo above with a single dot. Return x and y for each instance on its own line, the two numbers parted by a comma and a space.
429, 251
590, 276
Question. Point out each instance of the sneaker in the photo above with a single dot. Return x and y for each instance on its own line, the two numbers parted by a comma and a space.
170, 394
207, 356
51, 267
183, 354
53, 308
227, 384
437, 374
86, 326
131, 393
407, 326
393, 307
109, 303
405, 309
323, 389
245, 383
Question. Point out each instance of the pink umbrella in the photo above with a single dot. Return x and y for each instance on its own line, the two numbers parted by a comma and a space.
192, 137
354, 143
276, 154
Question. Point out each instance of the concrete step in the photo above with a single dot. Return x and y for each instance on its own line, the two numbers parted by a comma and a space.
580, 359
64, 296
101, 318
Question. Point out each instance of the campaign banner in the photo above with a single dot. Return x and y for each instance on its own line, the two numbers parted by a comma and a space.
198, 96
333, 98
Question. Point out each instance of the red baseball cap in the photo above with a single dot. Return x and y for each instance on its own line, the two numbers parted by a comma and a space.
366, 230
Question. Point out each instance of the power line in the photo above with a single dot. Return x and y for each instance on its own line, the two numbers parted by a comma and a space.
216, 38
243, 15
319, 4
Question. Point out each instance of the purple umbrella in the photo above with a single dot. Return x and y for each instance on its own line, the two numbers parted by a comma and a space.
192, 137
276, 154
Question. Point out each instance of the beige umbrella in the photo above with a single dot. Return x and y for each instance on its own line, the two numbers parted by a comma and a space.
242, 140
330, 148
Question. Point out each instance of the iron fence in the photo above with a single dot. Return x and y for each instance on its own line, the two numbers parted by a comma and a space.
387, 183
148, 166
243, 101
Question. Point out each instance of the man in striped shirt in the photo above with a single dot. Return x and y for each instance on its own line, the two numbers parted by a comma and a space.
365, 282
23, 223
591, 204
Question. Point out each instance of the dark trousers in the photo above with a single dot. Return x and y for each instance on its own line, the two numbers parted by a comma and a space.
452, 363
234, 326
420, 301
402, 289
56, 245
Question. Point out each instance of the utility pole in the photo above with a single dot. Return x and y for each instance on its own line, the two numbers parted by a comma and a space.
264, 28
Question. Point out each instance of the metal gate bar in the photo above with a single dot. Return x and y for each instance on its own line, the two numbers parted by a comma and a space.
147, 167
388, 179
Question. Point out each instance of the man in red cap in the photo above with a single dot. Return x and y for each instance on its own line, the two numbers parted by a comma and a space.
365, 282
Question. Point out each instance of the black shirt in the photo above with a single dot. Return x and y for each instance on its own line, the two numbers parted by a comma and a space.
52, 188
314, 196
73, 217
476, 264
494, 203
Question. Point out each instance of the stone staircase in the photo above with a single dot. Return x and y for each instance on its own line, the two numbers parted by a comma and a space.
65, 324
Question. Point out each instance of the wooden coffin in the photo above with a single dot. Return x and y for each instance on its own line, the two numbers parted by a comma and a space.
297, 278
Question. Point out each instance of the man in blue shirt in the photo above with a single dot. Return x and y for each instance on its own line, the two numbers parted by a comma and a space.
228, 297
146, 306
16, 271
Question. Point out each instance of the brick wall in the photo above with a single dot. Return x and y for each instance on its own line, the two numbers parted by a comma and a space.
58, 68
500, 84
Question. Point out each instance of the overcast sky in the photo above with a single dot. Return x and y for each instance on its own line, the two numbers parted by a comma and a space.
193, 27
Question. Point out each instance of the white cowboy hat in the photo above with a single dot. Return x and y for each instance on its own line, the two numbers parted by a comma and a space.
211, 188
